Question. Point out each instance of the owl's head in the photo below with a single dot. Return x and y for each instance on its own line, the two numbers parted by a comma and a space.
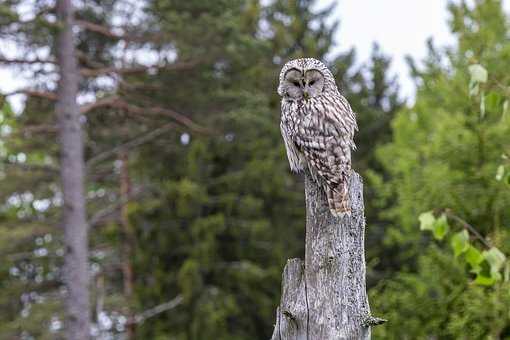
304, 79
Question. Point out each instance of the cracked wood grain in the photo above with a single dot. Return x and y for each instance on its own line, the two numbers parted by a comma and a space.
324, 297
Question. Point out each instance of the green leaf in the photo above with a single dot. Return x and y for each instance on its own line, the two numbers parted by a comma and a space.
500, 172
427, 220
478, 73
506, 178
474, 257
484, 280
492, 101
7, 109
441, 227
460, 242
495, 258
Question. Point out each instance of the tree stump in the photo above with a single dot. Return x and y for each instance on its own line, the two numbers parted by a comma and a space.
324, 297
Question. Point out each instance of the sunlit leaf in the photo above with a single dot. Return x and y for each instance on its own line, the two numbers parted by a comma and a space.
484, 280
474, 257
460, 242
440, 228
478, 73
500, 172
495, 258
427, 220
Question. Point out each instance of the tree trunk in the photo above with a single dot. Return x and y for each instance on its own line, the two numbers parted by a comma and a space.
324, 297
75, 271
126, 248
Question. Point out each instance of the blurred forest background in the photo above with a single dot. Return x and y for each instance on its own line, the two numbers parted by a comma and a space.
191, 207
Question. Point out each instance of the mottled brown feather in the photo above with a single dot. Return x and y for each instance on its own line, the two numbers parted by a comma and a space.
319, 135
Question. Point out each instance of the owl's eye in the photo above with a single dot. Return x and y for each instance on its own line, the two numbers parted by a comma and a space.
295, 83
311, 82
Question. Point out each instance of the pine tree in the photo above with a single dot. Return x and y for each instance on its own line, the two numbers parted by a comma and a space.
445, 153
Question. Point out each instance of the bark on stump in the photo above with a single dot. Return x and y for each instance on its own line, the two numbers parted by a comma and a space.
324, 297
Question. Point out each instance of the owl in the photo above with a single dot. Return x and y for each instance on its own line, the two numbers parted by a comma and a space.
318, 125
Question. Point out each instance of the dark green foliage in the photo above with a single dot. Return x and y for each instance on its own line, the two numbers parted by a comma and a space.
439, 301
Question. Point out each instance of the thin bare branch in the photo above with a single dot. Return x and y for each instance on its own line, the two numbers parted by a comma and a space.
149, 313
178, 117
93, 27
32, 167
468, 227
107, 31
101, 214
144, 138
43, 128
117, 103
33, 93
94, 72
103, 102
25, 61
107, 211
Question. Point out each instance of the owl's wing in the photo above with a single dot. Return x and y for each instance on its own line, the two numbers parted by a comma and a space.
339, 113
292, 152
328, 156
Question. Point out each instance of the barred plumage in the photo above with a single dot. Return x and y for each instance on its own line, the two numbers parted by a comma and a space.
318, 125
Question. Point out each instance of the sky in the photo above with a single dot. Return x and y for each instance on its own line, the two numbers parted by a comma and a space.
401, 27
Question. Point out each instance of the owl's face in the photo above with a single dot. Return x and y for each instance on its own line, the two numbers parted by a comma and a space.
301, 84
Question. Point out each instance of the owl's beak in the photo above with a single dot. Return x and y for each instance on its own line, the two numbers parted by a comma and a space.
306, 95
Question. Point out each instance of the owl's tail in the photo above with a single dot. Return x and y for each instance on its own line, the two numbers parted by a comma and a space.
338, 200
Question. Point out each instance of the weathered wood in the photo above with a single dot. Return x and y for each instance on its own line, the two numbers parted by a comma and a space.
324, 297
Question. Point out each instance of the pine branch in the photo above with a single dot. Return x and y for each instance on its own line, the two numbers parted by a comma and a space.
94, 72
42, 128
25, 61
33, 93
107, 31
117, 103
31, 167
97, 28
103, 102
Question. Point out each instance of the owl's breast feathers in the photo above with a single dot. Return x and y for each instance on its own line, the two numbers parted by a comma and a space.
318, 134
